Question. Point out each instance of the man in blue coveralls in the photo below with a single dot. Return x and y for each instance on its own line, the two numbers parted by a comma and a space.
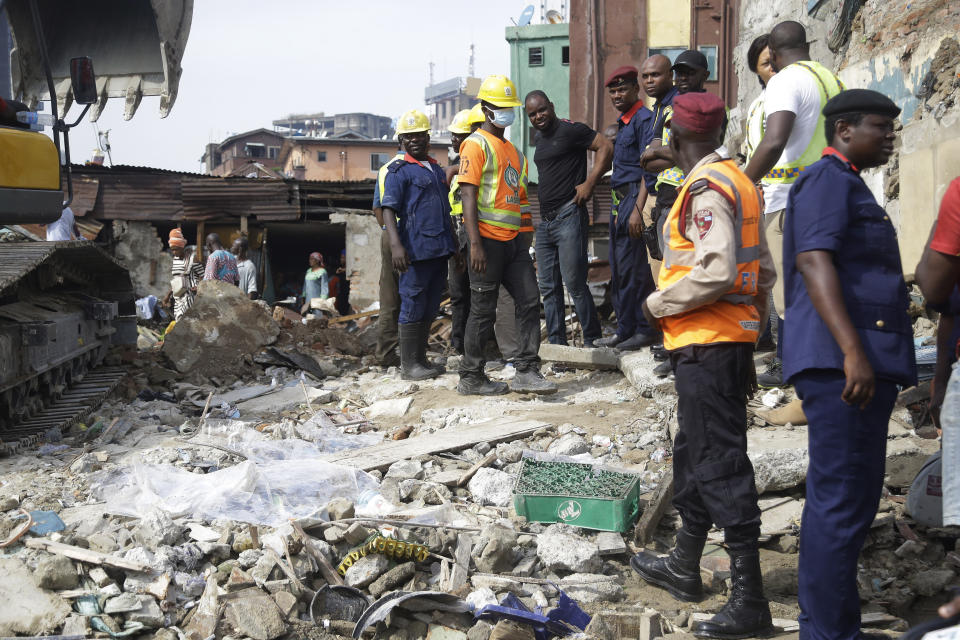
849, 344
630, 276
416, 212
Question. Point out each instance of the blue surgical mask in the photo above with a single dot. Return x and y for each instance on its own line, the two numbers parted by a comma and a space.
503, 118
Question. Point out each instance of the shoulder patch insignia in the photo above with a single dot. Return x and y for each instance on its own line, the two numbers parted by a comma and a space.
703, 218
699, 185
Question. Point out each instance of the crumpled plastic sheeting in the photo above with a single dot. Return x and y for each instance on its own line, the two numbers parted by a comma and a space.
282, 479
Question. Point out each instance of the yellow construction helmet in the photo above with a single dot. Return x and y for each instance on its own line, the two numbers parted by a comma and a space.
460, 122
499, 91
413, 121
476, 115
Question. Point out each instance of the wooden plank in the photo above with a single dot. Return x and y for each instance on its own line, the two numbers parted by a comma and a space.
382, 455
472, 471
655, 509
458, 573
85, 555
353, 316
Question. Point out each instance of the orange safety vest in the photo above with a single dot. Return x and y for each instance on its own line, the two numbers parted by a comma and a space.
732, 318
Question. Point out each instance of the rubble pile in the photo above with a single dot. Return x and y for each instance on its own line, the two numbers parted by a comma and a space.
294, 504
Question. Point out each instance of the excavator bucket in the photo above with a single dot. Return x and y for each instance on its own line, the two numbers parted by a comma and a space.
136, 47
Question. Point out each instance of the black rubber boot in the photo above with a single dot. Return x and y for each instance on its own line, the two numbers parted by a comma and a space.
679, 572
422, 350
410, 367
747, 612
481, 385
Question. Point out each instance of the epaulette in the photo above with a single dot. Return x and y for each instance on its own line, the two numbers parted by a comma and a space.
698, 186
395, 165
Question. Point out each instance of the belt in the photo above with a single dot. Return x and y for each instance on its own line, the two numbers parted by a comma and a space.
624, 190
550, 216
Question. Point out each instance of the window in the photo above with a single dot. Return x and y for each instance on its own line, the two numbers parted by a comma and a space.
321, 156
670, 52
535, 56
255, 150
565, 55
273, 152
710, 51
377, 160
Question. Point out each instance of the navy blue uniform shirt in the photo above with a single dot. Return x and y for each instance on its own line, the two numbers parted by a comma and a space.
831, 209
657, 121
419, 196
632, 139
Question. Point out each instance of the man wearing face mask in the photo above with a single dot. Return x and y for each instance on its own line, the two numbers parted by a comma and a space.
630, 275
493, 188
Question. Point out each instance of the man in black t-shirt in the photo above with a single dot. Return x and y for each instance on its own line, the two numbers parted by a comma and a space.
564, 188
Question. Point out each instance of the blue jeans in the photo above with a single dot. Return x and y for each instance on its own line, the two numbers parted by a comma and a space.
562, 261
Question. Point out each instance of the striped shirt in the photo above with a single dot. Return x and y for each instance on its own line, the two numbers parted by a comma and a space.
193, 273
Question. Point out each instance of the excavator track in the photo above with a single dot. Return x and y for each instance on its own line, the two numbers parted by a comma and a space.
74, 406
63, 306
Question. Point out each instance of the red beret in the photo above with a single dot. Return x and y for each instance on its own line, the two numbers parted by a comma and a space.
622, 74
700, 111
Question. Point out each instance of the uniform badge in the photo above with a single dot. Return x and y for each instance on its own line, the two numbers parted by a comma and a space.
704, 221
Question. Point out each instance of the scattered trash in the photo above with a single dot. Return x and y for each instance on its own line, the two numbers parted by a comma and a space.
772, 398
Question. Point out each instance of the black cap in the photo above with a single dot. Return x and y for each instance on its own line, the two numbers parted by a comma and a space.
691, 58
861, 101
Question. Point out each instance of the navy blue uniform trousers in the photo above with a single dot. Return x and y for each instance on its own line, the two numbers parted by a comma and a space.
421, 290
844, 480
630, 275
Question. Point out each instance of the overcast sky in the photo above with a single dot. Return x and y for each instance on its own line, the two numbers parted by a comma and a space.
248, 62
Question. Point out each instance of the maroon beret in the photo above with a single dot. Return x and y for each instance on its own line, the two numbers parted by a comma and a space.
622, 74
699, 111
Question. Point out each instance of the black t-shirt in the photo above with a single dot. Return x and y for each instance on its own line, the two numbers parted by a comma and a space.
561, 162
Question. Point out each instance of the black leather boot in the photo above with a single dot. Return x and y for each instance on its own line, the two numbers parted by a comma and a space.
679, 572
747, 612
410, 367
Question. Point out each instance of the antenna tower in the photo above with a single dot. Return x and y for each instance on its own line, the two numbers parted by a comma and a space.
470, 68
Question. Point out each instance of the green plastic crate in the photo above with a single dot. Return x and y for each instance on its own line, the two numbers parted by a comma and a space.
573, 498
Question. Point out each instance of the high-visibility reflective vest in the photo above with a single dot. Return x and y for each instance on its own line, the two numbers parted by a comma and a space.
733, 317
756, 124
498, 194
456, 203
828, 85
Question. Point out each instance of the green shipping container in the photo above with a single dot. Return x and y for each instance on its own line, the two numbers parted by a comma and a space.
582, 495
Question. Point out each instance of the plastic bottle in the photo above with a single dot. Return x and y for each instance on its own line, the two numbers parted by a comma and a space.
370, 503
32, 117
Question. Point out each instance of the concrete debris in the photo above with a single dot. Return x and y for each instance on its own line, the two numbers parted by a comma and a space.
561, 550
254, 614
492, 487
434, 514
221, 329
366, 570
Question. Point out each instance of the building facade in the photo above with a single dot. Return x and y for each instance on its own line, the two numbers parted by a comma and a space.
258, 146
445, 99
619, 32
539, 59
342, 159
366, 125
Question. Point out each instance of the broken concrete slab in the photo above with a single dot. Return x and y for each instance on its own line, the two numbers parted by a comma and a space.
221, 328
578, 357
594, 588
392, 408
905, 458
365, 570
610, 543
779, 514
779, 458
27, 609
561, 551
57, 573
490, 486
637, 367
255, 614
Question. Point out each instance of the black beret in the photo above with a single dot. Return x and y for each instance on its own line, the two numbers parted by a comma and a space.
861, 101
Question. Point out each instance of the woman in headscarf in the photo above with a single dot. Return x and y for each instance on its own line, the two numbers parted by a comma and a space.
185, 273
316, 282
